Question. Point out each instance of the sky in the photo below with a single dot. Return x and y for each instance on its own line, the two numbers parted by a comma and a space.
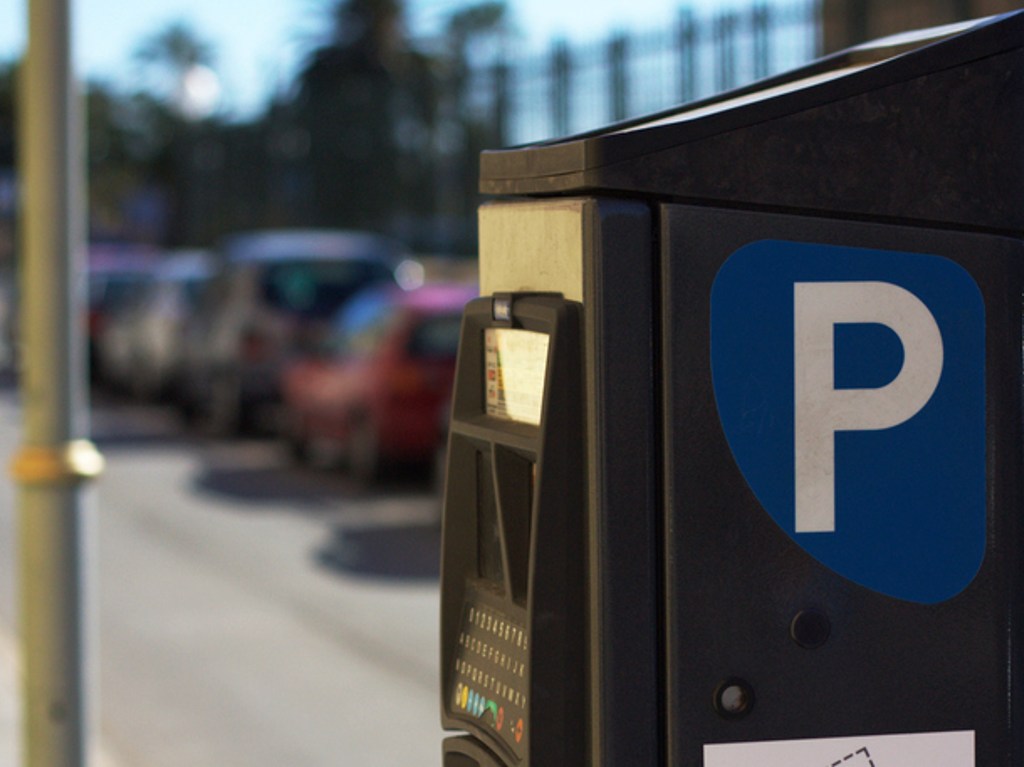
259, 43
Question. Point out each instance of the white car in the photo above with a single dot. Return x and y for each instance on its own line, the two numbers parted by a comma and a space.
142, 348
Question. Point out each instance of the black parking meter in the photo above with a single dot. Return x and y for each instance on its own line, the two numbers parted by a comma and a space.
801, 445
513, 574
527, 547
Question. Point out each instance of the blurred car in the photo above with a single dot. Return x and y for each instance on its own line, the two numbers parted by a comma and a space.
142, 349
376, 392
116, 271
272, 295
113, 339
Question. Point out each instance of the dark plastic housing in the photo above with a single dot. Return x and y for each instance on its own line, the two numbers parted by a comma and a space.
513, 555
702, 613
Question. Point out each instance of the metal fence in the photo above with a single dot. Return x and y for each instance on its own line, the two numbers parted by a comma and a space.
569, 89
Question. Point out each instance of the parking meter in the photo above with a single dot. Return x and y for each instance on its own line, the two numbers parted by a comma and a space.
508, 529
520, 544
793, 425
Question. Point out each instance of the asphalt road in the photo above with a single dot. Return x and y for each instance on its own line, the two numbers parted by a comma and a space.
251, 612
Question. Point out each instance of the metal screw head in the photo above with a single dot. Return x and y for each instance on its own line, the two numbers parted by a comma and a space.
734, 698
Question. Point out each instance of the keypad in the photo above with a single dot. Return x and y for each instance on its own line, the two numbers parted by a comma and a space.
490, 681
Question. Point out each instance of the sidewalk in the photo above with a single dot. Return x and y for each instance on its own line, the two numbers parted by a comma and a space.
10, 708
10, 714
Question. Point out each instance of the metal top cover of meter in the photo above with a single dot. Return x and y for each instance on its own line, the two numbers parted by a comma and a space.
795, 120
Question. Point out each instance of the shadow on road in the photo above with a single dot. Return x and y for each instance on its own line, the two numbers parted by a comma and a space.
278, 481
119, 425
114, 441
390, 531
269, 484
410, 552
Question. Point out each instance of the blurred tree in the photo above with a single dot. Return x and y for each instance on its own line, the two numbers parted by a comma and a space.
366, 103
472, 25
128, 140
850, 22
130, 161
176, 48
123, 154
178, 64
8, 80
474, 36
175, 109
8, 77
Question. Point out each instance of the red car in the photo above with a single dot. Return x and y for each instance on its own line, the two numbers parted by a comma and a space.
375, 391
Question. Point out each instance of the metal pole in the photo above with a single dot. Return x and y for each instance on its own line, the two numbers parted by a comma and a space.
55, 460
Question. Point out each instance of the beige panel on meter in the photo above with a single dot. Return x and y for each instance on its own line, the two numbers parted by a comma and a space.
532, 247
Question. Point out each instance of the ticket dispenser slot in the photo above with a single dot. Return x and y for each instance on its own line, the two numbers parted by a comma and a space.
513, 563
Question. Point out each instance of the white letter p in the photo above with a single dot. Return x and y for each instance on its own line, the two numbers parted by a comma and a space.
820, 410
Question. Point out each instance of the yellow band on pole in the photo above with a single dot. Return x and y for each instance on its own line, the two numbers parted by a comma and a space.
73, 461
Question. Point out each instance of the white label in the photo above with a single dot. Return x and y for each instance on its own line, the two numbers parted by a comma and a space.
516, 365
928, 749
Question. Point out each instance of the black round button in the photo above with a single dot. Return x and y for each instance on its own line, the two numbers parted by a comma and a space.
810, 629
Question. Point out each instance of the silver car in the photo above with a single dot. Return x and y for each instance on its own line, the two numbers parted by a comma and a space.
272, 295
144, 350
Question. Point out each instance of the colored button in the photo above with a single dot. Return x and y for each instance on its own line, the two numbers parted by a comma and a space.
492, 709
519, 731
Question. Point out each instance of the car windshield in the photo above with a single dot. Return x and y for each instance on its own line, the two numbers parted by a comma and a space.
111, 291
192, 291
318, 288
363, 324
436, 337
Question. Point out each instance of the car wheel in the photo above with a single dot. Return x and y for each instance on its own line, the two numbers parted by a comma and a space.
364, 460
296, 440
186, 403
145, 383
224, 408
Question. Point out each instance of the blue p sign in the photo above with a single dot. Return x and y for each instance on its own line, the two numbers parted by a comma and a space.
850, 386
